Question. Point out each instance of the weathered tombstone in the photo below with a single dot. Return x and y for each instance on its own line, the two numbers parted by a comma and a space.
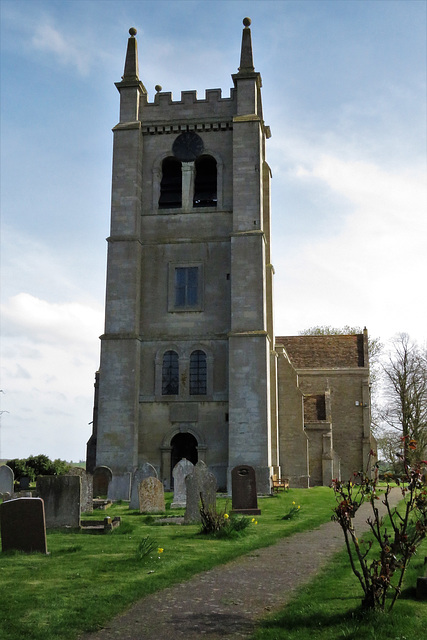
243, 490
145, 471
151, 496
23, 527
180, 471
200, 481
61, 496
86, 503
7, 478
119, 487
101, 479
24, 483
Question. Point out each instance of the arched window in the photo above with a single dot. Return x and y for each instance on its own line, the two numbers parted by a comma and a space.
205, 188
198, 373
171, 184
170, 374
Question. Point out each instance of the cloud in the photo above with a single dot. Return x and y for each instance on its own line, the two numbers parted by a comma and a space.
368, 268
50, 323
66, 50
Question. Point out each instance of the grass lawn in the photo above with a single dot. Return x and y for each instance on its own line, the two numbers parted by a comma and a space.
329, 609
87, 579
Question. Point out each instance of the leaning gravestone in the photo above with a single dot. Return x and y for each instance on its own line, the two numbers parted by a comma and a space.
61, 496
7, 478
151, 496
22, 524
119, 487
87, 488
243, 490
180, 471
200, 482
145, 471
101, 479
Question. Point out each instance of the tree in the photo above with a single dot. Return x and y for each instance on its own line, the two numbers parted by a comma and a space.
39, 465
404, 407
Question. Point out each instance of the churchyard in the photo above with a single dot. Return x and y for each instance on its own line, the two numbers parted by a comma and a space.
89, 575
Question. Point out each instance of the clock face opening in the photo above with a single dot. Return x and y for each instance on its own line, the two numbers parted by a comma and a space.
187, 146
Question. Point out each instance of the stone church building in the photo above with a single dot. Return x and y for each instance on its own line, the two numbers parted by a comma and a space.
190, 366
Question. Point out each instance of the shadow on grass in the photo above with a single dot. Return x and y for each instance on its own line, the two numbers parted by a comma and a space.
305, 621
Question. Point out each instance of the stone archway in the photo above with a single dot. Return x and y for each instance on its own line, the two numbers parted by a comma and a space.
183, 445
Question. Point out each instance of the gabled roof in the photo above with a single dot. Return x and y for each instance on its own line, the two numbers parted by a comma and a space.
324, 352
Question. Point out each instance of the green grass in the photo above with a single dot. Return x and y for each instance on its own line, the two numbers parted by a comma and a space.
87, 579
329, 609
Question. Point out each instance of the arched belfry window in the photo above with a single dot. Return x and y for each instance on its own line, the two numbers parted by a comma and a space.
171, 184
205, 182
198, 373
170, 374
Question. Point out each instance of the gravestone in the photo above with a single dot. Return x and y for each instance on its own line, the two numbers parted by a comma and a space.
22, 524
180, 471
7, 478
243, 490
119, 487
24, 483
151, 496
145, 471
200, 481
101, 479
62, 497
86, 503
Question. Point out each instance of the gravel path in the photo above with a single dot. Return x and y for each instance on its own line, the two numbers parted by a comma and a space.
227, 601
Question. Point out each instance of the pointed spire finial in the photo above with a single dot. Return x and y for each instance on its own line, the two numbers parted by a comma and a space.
246, 57
131, 71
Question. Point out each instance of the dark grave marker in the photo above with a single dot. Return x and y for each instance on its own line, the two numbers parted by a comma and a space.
23, 525
243, 490
102, 477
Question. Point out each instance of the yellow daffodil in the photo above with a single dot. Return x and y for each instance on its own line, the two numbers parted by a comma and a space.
299, 507
226, 516
293, 502
160, 550
256, 522
253, 519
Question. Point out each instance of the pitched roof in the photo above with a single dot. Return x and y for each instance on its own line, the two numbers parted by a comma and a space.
325, 351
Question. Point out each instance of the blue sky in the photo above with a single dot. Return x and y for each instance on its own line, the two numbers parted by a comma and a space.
344, 91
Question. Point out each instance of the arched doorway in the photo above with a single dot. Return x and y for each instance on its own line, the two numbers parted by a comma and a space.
183, 445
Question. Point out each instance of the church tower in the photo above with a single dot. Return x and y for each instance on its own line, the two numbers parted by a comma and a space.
188, 367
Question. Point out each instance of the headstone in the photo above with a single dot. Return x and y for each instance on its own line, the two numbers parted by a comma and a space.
7, 478
151, 496
61, 496
145, 471
119, 487
180, 471
86, 504
243, 490
22, 524
101, 479
24, 483
200, 481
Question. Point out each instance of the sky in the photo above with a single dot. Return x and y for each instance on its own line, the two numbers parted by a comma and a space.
344, 92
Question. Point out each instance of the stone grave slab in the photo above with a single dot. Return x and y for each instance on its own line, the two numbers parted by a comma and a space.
62, 497
243, 490
23, 525
146, 470
151, 496
86, 504
7, 478
200, 481
119, 487
180, 471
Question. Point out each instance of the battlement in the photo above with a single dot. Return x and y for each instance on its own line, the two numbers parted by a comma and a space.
213, 107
